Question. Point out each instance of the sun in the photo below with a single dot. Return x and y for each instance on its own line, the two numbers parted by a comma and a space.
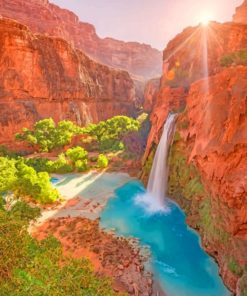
205, 19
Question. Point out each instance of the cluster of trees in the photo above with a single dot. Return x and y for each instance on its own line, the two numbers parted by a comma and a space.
74, 159
46, 135
23, 180
110, 133
30, 267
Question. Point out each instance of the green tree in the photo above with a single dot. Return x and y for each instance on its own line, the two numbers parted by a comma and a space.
110, 132
102, 161
7, 174
36, 185
48, 136
77, 153
31, 268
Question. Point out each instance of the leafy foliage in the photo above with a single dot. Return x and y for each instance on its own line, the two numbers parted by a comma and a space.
102, 161
236, 58
5, 152
8, 176
32, 268
81, 165
77, 153
48, 136
234, 267
23, 180
110, 132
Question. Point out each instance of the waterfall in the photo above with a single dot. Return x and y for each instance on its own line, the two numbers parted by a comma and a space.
157, 183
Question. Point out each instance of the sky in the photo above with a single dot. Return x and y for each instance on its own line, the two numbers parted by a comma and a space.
153, 22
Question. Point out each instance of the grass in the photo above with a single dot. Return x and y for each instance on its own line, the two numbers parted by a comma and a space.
234, 267
234, 58
31, 268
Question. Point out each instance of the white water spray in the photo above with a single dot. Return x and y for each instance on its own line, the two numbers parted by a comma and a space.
157, 183
154, 200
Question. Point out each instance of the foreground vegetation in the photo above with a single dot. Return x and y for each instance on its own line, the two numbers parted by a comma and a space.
22, 180
32, 268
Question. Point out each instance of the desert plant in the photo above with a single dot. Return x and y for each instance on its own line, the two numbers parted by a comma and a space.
102, 161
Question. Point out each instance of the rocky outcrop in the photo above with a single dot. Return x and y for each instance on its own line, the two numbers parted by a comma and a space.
208, 159
150, 94
168, 100
241, 14
196, 52
212, 136
47, 18
45, 77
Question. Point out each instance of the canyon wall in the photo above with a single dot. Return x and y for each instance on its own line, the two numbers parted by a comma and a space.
240, 15
196, 52
208, 158
45, 77
47, 18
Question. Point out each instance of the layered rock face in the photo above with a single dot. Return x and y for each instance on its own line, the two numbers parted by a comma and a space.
44, 17
150, 94
241, 14
45, 77
208, 158
217, 129
167, 100
196, 52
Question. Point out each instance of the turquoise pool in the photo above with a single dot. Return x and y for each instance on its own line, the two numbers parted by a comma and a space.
177, 260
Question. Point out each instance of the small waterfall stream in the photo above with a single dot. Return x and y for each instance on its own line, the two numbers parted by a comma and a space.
157, 183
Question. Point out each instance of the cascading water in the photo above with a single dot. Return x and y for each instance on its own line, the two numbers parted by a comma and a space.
177, 260
157, 183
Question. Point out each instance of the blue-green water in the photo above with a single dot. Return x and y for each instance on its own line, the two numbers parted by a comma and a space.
177, 260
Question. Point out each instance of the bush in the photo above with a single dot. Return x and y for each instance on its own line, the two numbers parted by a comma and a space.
60, 166
36, 185
110, 132
102, 161
237, 58
8, 176
81, 165
48, 136
77, 153
23, 180
234, 267
29, 267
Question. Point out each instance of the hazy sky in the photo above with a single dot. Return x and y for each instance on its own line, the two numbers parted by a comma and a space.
149, 21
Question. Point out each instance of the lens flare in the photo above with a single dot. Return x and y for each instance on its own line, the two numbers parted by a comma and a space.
205, 19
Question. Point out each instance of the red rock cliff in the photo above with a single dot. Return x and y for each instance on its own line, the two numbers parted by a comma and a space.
45, 77
44, 17
196, 52
241, 14
215, 134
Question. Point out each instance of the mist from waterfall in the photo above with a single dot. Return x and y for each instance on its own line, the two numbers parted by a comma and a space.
154, 199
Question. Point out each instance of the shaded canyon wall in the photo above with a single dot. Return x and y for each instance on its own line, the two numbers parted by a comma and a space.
46, 77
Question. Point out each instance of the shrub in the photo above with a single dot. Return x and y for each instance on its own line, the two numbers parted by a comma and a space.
36, 185
234, 267
48, 136
77, 153
29, 267
60, 166
102, 161
110, 132
81, 165
237, 58
8, 176
23, 180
